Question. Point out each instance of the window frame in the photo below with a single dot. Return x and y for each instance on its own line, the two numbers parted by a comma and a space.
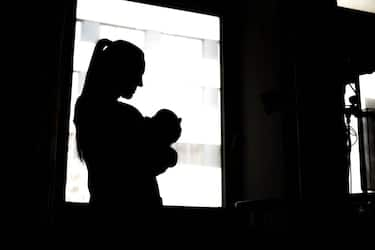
65, 92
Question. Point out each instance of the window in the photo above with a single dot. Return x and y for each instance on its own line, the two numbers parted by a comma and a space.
367, 100
185, 79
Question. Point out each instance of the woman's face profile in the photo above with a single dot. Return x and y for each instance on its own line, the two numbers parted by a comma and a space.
131, 81
123, 69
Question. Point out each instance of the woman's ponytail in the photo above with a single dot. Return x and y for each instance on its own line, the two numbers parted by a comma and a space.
100, 46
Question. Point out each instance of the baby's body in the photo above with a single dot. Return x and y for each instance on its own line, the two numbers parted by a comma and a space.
165, 129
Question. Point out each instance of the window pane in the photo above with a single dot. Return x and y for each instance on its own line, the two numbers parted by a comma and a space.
182, 74
367, 88
82, 55
367, 85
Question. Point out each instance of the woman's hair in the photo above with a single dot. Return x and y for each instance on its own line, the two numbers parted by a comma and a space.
107, 55
95, 62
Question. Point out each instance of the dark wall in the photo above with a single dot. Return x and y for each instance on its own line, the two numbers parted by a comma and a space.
36, 41
260, 72
320, 106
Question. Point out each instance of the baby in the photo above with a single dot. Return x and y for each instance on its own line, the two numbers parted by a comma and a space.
165, 129
167, 126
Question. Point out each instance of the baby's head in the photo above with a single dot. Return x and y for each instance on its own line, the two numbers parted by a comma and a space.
168, 124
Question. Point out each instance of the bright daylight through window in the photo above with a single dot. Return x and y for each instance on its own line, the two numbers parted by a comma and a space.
185, 79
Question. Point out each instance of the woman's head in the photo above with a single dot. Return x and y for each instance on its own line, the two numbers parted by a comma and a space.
115, 70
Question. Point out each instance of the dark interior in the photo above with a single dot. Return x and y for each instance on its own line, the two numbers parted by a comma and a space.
285, 64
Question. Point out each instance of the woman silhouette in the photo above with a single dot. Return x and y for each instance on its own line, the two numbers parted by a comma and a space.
112, 136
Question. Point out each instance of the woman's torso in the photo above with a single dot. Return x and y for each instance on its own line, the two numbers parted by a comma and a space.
118, 165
